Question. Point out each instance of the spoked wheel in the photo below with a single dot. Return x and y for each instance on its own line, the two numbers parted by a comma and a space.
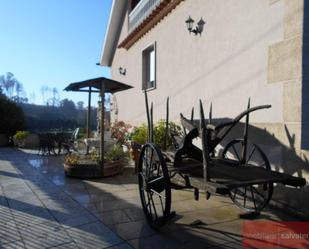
252, 197
154, 186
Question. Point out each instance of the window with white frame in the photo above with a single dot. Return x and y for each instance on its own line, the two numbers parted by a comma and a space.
149, 68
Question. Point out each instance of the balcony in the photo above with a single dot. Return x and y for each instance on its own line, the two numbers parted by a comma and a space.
141, 11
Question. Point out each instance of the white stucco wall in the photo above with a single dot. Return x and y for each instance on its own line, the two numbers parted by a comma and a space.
227, 64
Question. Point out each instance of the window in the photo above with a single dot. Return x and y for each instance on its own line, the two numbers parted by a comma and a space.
149, 68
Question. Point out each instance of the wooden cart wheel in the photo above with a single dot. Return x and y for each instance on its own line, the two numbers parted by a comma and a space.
252, 197
154, 186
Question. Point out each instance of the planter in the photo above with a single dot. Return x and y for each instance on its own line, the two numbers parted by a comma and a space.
135, 152
4, 139
94, 170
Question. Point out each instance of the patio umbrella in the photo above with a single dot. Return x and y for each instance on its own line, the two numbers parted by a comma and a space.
100, 85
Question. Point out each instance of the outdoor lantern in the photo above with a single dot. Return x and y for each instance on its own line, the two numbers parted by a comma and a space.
200, 25
196, 30
189, 23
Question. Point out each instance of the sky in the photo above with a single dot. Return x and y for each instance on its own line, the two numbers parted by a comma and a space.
53, 43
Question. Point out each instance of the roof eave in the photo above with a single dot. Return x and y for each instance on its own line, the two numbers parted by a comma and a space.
112, 34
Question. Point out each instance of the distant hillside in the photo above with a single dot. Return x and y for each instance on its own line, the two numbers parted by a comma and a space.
40, 118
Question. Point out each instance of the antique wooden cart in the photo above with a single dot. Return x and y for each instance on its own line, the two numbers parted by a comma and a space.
241, 171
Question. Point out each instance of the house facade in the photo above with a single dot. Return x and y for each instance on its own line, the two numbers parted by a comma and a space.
246, 49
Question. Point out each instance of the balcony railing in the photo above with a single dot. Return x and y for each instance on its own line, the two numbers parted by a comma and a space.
141, 11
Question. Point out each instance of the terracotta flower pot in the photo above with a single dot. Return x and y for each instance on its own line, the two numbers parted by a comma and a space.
135, 154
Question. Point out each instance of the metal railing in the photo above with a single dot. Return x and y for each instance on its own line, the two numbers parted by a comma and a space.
141, 11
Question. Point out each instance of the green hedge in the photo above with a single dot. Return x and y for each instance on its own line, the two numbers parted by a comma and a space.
11, 116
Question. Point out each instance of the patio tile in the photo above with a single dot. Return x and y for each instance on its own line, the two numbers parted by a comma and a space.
205, 237
128, 194
135, 213
181, 239
48, 193
77, 220
58, 196
71, 245
113, 217
13, 184
91, 207
68, 215
122, 246
3, 202
233, 245
131, 186
5, 214
9, 232
156, 241
132, 230
19, 193
82, 198
94, 235
13, 245
35, 215
113, 205
41, 184
47, 234
101, 197
25, 203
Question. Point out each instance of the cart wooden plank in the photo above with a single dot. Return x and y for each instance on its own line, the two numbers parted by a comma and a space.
232, 175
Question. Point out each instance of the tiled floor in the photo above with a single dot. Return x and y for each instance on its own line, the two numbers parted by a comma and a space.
41, 208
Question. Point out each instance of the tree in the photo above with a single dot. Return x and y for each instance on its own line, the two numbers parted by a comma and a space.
43, 90
55, 98
19, 100
32, 97
80, 105
18, 88
8, 83
68, 108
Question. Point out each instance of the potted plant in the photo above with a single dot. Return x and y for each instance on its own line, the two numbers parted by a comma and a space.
90, 166
139, 136
20, 138
159, 133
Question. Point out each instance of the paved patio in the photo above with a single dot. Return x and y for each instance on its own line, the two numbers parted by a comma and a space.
41, 208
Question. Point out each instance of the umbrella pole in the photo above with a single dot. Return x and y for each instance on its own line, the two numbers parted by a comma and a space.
102, 125
88, 117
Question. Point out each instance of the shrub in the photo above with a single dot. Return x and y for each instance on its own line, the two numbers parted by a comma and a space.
20, 135
159, 133
12, 116
140, 133
115, 153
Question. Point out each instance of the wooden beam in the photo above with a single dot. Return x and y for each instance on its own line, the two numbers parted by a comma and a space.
88, 117
102, 126
93, 91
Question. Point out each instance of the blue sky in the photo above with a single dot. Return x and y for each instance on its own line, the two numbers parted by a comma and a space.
52, 43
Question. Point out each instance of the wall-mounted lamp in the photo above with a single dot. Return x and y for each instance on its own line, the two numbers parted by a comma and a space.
197, 29
122, 71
